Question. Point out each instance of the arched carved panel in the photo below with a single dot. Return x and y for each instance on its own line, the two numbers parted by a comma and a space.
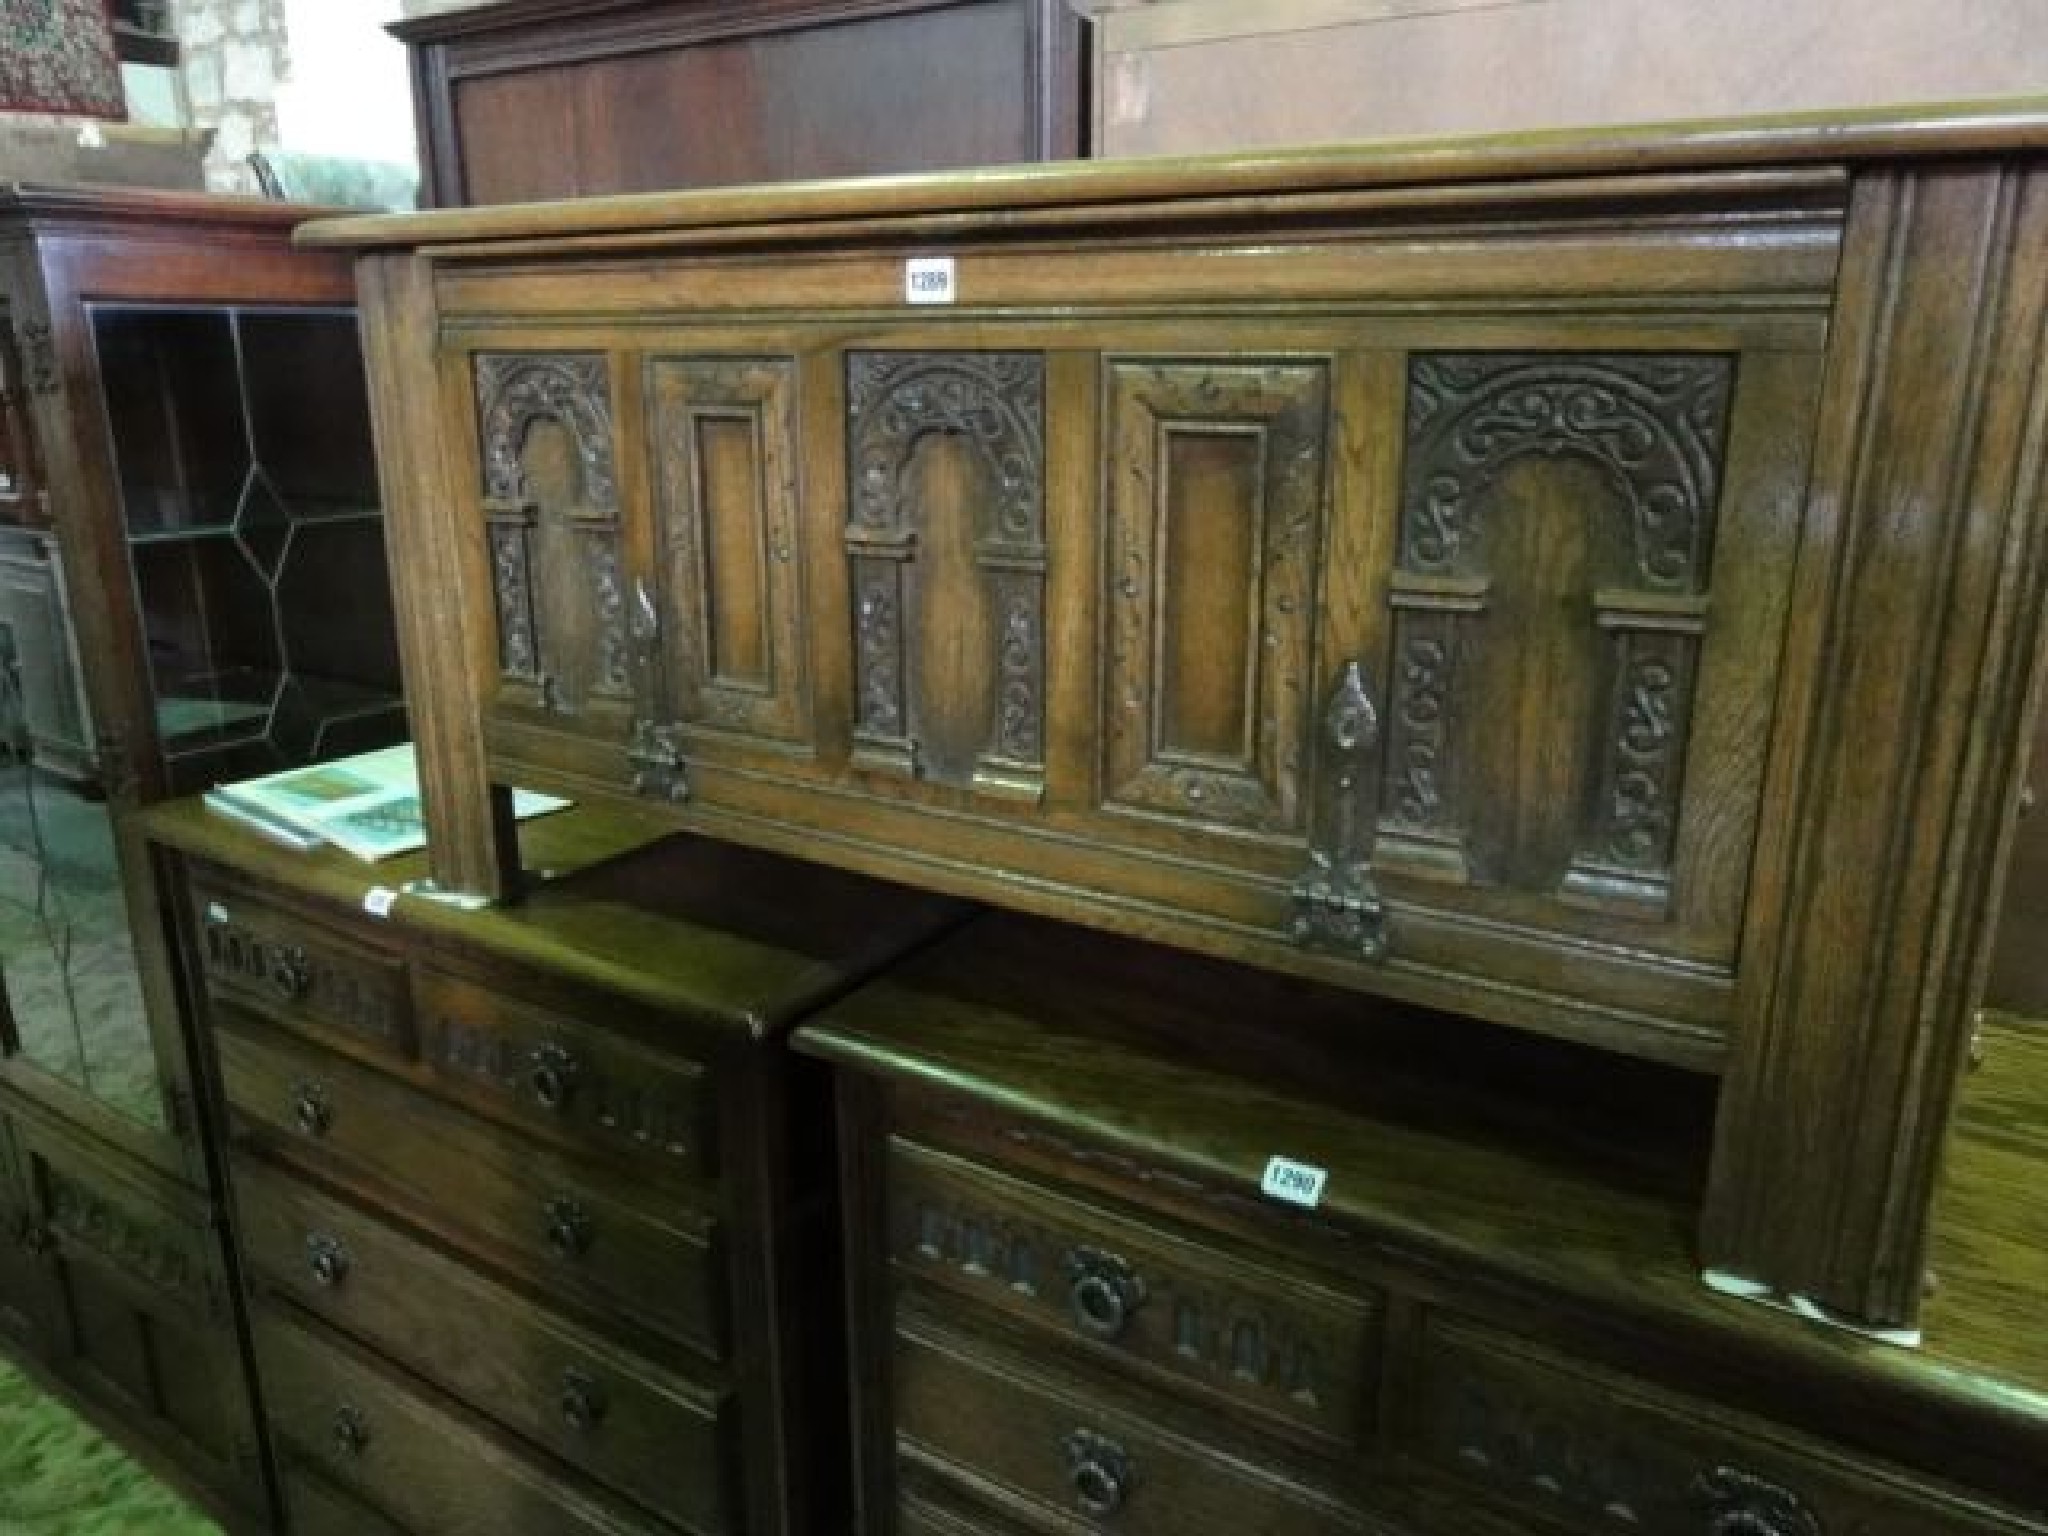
551, 503
1621, 549
990, 407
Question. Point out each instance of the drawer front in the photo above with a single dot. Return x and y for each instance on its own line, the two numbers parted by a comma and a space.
380, 1442
1582, 1451
316, 1508
969, 1407
627, 1423
565, 1078
1251, 1335
482, 1185
302, 973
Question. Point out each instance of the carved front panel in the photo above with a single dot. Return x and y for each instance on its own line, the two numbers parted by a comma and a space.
1581, 1450
724, 434
1549, 598
86, 1220
551, 509
1258, 1338
946, 544
1216, 484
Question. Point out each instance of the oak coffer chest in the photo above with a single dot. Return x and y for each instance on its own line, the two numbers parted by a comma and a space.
1588, 583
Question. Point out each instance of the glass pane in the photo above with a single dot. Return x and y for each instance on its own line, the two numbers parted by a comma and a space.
309, 409
74, 997
180, 443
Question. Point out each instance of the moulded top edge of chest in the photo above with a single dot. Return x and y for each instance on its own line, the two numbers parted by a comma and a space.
1808, 156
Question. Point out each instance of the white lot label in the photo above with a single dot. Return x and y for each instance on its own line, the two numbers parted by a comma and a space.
378, 900
928, 280
1296, 1183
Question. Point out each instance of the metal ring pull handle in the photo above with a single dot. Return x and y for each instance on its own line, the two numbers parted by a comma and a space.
1099, 1472
290, 971
552, 1074
582, 1400
1102, 1292
312, 1111
568, 1227
349, 1430
328, 1258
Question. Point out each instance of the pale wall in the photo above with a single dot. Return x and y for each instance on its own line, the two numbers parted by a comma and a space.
1191, 75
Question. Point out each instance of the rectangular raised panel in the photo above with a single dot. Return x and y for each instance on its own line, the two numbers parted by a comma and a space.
723, 433
946, 547
551, 513
1557, 522
1216, 483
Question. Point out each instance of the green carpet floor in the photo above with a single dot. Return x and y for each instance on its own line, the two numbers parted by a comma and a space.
59, 1477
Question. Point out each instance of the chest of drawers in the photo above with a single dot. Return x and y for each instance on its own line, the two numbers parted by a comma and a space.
534, 1205
1078, 1308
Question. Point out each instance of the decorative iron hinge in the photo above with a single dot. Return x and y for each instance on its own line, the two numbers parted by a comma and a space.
654, 752
1336, 905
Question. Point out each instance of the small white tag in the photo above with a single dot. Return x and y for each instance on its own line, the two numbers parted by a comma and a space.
216, 913
378, 900
1296, 1183
928, 280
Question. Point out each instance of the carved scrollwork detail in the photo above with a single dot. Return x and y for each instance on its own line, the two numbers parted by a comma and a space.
516, 390
1654, 426
82, 1216
1419, 715
996, 400
554, 561
1740, 1503
995, 403
654, 748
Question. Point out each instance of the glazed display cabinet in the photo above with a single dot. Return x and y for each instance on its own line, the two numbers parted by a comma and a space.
192, 589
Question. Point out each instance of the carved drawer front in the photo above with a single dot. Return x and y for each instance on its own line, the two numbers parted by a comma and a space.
577, 1231
89, 1218
302, 973
428, 1467
574, 1081
1066, 1453
1583, 1451
1248, 1335
624, 1421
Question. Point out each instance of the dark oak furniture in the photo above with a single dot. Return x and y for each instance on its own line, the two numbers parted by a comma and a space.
194, 587
1592, 584
1073, 1307
536, 1208
569, 98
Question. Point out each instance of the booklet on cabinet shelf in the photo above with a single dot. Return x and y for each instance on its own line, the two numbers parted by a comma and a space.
367, 805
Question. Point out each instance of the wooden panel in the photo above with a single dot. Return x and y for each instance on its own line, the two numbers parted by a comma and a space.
304, 974
568, 1077
416, 1462
946, 546
316, 1508
551, 505
1066, 1453
731, 585
1214, 535
638, 1429
1583, 1451
1138, 1295
582, 1234
567, 101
